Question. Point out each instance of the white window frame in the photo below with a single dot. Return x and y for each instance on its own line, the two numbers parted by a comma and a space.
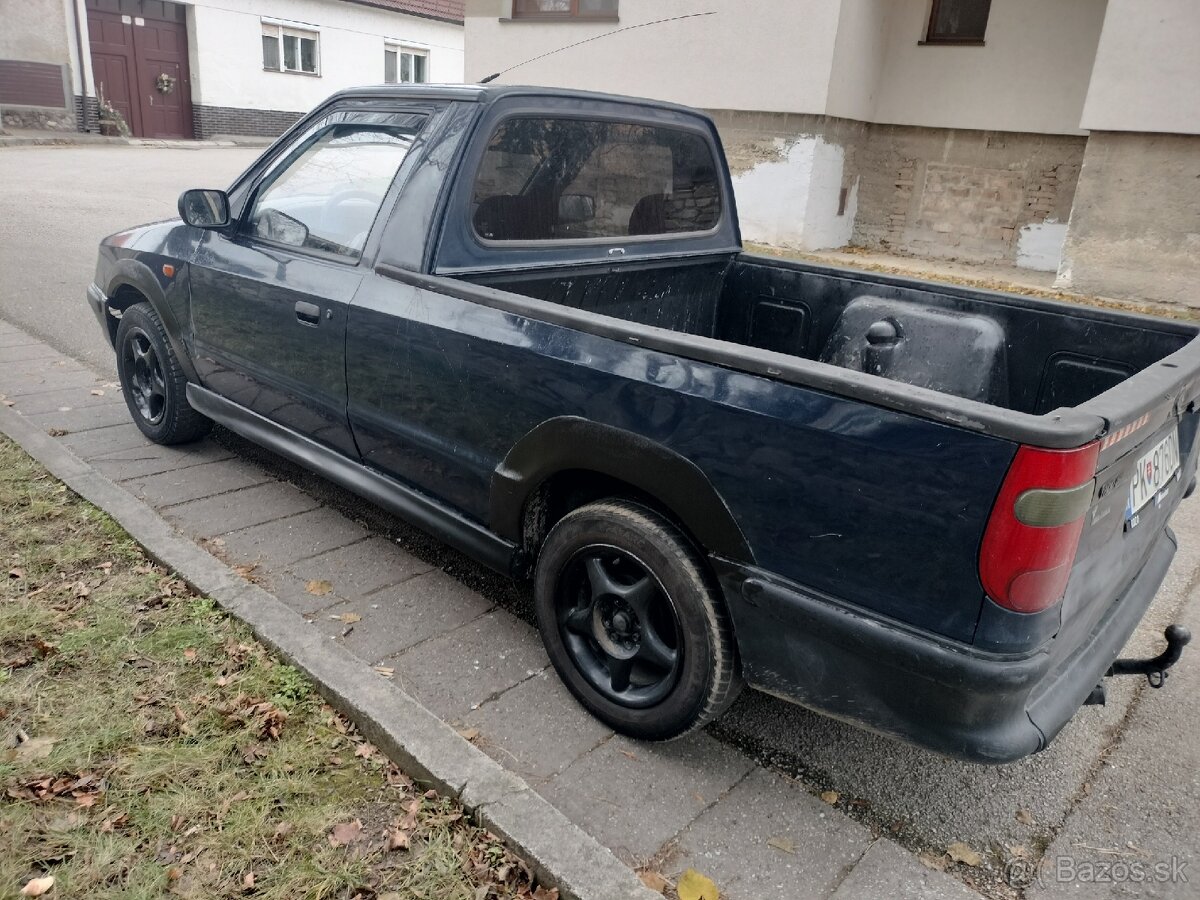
400, 50
281, 30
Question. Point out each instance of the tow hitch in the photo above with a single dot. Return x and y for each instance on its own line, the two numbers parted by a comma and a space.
1154, 669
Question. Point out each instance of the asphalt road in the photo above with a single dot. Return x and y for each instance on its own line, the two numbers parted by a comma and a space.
58, 202
56, 205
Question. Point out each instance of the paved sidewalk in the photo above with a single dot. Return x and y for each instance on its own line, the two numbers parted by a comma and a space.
692, 803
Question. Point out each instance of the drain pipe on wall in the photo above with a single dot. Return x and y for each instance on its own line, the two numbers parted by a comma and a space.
83, 73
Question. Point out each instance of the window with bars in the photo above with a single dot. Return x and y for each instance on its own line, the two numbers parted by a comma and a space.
290, 49
958, 21
564, 9
405, 65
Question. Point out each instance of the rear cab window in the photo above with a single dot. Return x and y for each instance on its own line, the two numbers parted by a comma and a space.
566, 179
549, 179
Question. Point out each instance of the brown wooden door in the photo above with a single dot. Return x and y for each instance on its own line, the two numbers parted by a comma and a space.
133, 43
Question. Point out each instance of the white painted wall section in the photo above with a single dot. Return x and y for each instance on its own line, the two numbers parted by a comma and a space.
1147, 72
1040, 245
225, 40
793, 201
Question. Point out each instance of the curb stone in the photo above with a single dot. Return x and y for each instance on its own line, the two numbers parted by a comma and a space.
560, 852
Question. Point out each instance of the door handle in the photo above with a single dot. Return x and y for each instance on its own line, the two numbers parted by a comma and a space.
308, 313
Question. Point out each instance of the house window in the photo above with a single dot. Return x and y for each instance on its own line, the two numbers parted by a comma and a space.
958, 21
564, 9
289, 49
404, 65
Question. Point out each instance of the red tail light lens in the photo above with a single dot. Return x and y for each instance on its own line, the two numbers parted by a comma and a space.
1033, 532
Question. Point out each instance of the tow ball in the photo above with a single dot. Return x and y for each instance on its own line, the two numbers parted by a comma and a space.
1155, 670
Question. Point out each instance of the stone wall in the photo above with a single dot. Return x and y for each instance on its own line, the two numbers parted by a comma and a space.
814, 182
47, 117
1135, 227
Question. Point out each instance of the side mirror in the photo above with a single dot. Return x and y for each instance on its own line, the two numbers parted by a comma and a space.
202, 208
575, 209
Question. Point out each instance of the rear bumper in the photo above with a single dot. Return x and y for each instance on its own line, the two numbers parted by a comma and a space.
948, 697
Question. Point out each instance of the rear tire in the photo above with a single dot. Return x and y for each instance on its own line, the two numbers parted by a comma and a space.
152, 380
633, 623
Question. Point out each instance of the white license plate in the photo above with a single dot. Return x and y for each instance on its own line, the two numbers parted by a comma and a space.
1153, 471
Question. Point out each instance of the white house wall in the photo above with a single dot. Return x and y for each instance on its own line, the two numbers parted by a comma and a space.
1031, 75
1147, 72
772, 55
226, 50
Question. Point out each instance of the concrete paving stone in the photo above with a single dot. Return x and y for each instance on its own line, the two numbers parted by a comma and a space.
731, 842
277, 544
86, 419
361, 568
635, 797
457, 671
16, 338
536, 728
90, 445
145, 459
23, 352
195, 482
66, 400
214, 516
402, 616
294, 592
888, 870
14, 384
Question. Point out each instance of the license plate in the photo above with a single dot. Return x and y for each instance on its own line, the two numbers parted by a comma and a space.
1153, 471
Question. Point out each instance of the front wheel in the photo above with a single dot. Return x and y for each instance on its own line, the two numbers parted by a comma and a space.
632, 622
153, 381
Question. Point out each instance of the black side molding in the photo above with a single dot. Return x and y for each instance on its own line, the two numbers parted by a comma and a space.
570, 442
428, 514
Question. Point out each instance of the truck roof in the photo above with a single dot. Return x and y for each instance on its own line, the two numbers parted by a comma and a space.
490, 93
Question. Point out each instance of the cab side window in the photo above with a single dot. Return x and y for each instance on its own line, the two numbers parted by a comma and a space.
327, 196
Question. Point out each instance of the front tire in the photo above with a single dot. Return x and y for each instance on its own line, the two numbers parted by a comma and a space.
633, 623
152, 380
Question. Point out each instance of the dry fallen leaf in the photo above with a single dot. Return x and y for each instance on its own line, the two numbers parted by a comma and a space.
37, 886
189, 654
1025, 817
782, 843
830, 797
348, 618
364, 750
16, 573
960, 852
248, 882
283, 829
397, 839
345, 833
694, 886
318, 587
469, 733
654, 880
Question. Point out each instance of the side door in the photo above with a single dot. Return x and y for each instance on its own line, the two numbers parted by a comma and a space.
269, 296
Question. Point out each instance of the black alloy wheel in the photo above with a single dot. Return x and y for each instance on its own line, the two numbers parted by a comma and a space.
147, 385
634, 621
619, 626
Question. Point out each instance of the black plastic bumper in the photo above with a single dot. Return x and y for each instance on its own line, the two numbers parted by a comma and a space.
948, 697
99, 304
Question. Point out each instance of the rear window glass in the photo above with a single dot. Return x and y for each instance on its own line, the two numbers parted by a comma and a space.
572, 179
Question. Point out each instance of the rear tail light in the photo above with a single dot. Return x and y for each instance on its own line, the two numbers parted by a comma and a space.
1033, 532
